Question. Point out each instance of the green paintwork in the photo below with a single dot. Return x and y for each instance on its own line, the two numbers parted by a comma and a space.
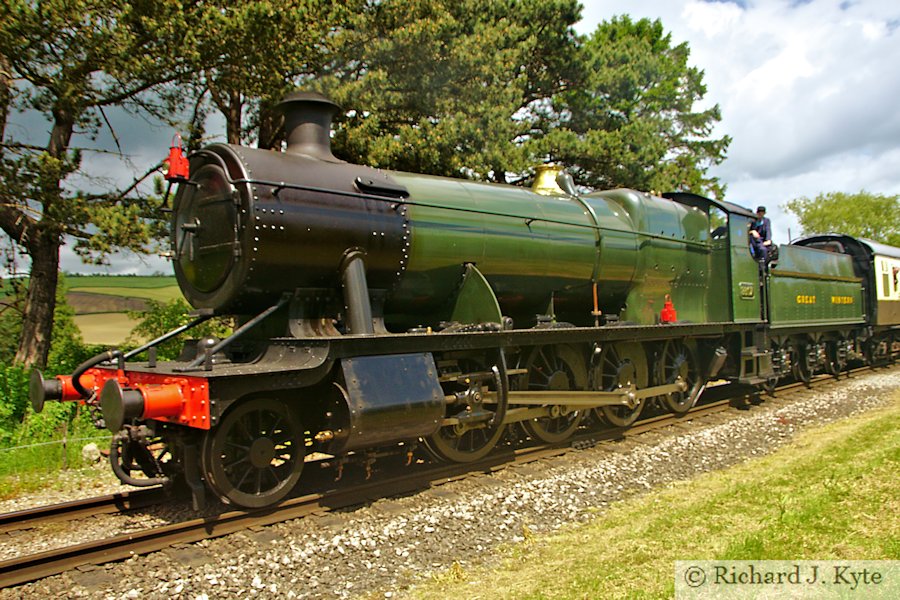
475, 301
536, 251
745, 292
719, 286
810, 286
673, 257
529, 247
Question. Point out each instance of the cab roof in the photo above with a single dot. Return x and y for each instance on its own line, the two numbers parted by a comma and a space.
689, 199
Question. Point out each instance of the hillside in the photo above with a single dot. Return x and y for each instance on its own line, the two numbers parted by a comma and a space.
102, 301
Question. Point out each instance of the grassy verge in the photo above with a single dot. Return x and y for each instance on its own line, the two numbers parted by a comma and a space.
833, 494
44, 446
37, 467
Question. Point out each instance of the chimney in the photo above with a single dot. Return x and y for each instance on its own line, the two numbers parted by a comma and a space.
307, 124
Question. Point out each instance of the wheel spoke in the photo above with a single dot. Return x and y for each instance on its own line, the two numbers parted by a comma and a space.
678, 362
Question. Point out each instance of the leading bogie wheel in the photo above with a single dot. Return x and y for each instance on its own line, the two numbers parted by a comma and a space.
255, 456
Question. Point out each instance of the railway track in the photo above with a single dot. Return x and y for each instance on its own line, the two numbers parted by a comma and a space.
44, 564
76, 509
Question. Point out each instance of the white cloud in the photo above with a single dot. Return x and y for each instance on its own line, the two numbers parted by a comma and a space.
713, 20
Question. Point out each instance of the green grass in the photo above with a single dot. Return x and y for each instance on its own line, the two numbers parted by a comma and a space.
833, 494
46, 444
29, 469
105, 281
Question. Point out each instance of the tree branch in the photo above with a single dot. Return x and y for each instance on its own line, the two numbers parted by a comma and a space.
111, 130
16, 224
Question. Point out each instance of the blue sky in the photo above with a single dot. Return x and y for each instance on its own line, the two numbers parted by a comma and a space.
808, 90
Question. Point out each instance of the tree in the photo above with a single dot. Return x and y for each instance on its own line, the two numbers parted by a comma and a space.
162, 317
863, 214
260, 51
449, 87
629, 120
69, 63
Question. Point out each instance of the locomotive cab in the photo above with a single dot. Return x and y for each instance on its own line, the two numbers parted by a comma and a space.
738, 297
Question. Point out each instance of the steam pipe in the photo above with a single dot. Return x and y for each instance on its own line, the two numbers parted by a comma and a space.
356, 293
166, 336
91, 362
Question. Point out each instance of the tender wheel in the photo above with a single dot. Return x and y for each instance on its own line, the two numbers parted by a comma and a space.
835, 357
621, 366
801, 368
255, 456
679, 360
478, 430
555, 368
779, 360
878, 351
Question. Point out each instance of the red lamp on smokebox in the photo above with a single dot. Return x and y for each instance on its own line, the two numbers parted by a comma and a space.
179, 168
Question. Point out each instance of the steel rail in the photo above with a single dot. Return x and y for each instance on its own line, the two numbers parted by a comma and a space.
75, 509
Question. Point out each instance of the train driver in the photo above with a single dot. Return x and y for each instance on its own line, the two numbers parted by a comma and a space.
761, 235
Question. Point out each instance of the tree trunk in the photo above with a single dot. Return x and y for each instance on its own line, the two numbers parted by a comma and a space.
270, 132
43, 241
40, 301
5, 95
233, 118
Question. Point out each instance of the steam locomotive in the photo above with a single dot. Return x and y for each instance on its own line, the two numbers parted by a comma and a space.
384, 311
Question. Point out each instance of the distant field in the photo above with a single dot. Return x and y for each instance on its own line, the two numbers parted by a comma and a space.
163, 293
109, 283
108, 329
132, 283
101, 301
